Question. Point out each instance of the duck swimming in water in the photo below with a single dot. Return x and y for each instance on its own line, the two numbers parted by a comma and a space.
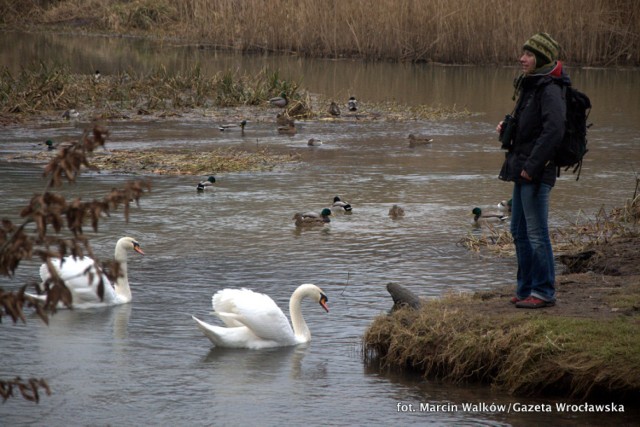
206, 183
340, 204
312, 218
481, 219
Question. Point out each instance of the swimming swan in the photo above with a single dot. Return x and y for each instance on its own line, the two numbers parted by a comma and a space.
254, 321
84, 289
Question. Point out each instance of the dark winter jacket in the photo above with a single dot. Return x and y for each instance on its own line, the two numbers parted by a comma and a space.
540, 117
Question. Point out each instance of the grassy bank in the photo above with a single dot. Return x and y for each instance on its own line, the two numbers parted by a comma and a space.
592, 32
522, 353
587, 346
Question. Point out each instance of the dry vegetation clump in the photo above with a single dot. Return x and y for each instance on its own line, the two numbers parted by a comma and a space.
584, 234
211, 162
29, 389
449, 340
398, 112
498, 240
43, 88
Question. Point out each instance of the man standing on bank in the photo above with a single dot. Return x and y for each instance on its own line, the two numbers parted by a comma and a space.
538, 124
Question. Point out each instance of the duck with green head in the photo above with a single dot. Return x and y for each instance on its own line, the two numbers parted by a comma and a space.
479, 218
206, 183
279, 101
312, 218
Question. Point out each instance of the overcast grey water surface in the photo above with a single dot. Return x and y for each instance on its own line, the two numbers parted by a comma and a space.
146, 363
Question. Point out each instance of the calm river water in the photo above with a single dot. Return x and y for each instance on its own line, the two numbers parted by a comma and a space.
146, 363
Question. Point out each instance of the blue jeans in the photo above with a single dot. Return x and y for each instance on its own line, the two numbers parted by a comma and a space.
530, 231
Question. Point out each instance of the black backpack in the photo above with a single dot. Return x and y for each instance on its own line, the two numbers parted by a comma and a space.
574, 143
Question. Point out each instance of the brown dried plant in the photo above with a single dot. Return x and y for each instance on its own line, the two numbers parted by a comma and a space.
28, 389
52, 227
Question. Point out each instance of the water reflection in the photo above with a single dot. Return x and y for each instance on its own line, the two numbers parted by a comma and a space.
260, 366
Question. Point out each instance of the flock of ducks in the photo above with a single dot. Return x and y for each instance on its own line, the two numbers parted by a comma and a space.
251, 320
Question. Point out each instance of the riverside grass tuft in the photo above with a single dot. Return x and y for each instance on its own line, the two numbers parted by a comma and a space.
524, 355
590, 32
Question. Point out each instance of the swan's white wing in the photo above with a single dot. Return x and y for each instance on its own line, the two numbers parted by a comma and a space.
256, 311
239, 337
82, 279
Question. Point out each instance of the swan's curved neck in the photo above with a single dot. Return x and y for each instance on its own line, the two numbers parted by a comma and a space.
300, 328
122, 282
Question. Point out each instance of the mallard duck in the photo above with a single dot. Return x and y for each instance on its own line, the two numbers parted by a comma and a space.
396, 212
416, 141
206, 183
352, 103
312, 218
96, 76
283, 119
290, 129
314, 142
334, 110
229, 126
341, 205
505, 205
479, 218
54, 146
70, 114
279, 101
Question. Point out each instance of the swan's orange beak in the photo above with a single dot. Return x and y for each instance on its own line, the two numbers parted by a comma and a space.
323, 303
137, 248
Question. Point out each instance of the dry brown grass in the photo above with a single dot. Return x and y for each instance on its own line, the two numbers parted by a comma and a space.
583, 233
43, 87
448, 339
595, 32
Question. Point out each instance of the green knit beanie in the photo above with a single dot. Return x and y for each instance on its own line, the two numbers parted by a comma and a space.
544, 47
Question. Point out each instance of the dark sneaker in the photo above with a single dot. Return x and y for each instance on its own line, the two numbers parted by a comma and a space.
533, 302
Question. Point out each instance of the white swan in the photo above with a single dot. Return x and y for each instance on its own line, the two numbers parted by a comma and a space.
254, 321
82, 277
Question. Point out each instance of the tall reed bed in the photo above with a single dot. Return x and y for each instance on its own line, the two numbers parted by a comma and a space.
450, 31
594, 32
